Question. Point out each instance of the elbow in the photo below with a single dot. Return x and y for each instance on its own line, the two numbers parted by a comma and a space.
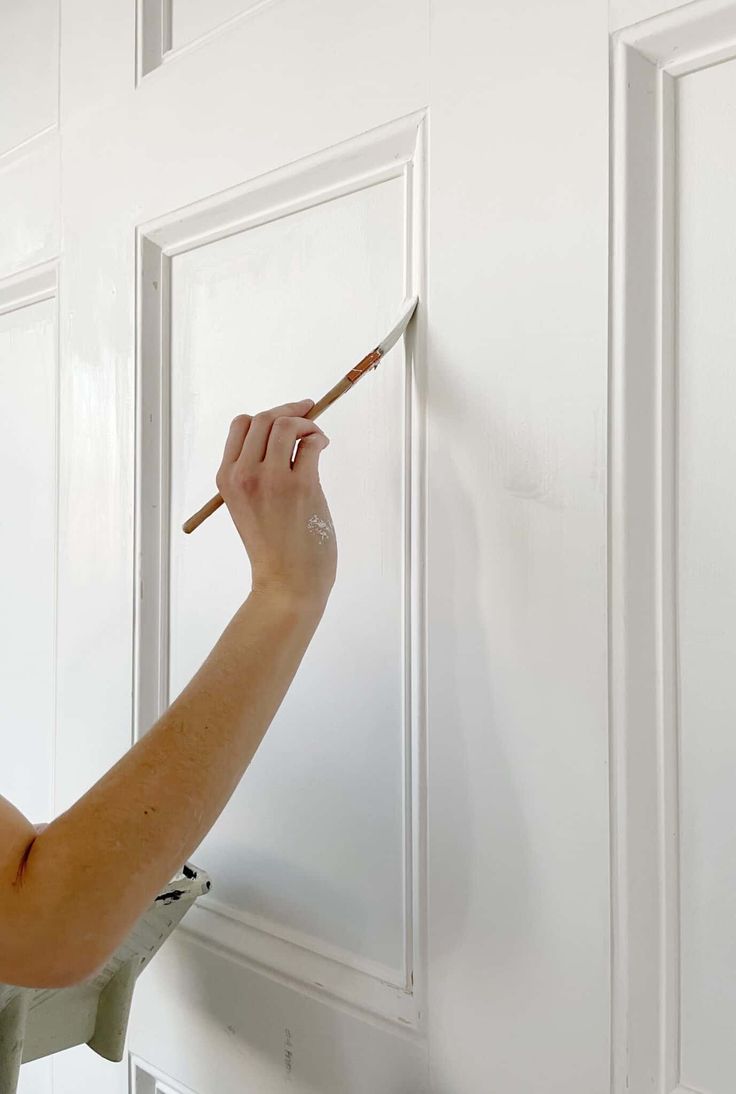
64, 974
49, 953
47, 971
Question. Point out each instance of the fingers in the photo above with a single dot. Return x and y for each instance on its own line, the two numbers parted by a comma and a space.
306, 461
234, 443
256, 439
285, 432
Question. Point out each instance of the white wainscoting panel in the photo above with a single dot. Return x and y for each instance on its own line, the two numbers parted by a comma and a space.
29, 70
259, 318
29, 204
28, 539
706, 588
144, 1078
190, 20
246, 302
673, 577
167, 26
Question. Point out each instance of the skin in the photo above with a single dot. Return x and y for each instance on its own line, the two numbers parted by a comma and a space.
150, 811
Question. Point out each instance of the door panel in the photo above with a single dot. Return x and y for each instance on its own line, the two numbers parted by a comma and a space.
190, 20
673, 578
245, 202
257, 317
706, 589
29, 70
28, 551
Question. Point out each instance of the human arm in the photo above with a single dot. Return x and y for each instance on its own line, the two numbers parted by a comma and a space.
70, 893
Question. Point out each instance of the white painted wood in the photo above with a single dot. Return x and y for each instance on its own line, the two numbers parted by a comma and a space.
706, 573
516, 569
505, 932
29, 204
378, 183
28, 445
642, 729
659, 854
258, 304
189, 20
29, 70
624, 13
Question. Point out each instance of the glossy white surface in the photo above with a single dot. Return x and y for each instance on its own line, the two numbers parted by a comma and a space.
259, 318
28, 554
29, 204
671, 585
707, 574
191, 19
29, 69
510, 367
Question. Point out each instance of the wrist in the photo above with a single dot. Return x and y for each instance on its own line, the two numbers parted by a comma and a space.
302, 604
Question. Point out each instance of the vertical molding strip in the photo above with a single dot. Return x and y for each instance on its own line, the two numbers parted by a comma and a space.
394, 151
646, 59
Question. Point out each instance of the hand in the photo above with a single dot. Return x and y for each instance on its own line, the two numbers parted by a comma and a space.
277, 503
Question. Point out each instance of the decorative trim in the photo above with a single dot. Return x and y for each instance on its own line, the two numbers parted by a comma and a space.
393, 151
145, 1078
21, 290
28, 287
17, 151
646, 60
153, 33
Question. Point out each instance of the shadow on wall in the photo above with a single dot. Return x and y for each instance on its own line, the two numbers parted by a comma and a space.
466, 731
271, 1035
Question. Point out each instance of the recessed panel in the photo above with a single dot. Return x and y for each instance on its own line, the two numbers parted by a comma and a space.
707, 573
29, 73
190, 19
27, 554
312, 844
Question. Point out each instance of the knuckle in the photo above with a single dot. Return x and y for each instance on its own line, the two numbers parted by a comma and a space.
249, 483
240, 419
263, 417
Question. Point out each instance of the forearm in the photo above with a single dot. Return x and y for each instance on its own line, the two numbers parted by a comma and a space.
99, 865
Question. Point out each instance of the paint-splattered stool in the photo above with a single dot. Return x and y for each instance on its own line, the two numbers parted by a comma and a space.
36, 1022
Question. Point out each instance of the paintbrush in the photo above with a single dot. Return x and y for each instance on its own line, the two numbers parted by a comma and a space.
348, 381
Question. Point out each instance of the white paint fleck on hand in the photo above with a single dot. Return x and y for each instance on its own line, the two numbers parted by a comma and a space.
321, 528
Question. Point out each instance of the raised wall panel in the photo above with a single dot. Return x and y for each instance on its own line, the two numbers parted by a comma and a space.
260, 318
29, 71
706, 368
246, 304
190, 19
165, 26
29, 204
144, 1078
28, 411
673, 576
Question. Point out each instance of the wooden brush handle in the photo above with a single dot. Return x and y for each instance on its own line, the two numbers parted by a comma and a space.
327, 400
201, 515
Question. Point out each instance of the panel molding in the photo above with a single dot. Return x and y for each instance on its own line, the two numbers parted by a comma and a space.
394, 151
646, 60
153, 33
21, 290
145, 1078
29, 286
28, 144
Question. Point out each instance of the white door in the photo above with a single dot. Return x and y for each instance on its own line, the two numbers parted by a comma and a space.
673, 583
229, 201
